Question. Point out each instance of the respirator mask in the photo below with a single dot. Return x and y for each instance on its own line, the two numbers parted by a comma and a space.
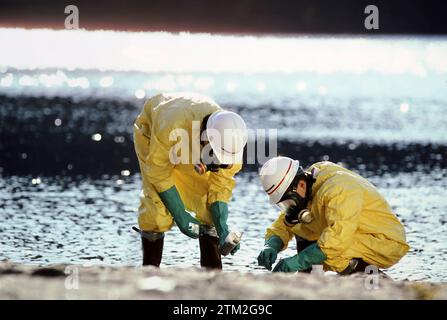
202, 168
295, 206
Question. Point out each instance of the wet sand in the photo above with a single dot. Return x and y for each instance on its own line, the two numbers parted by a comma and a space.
71, 282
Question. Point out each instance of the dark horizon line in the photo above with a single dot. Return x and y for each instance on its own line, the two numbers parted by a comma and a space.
401, 17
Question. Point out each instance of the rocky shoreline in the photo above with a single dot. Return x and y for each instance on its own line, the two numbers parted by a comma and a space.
127, 282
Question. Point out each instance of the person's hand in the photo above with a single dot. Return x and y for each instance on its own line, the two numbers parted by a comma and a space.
267, 257
302, 261
290, 264
222, 241
219, 213
236, 249
187, 224
222, 237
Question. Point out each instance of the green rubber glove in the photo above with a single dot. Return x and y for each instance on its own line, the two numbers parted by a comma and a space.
302, 261
219, 213
186, 223
267, 256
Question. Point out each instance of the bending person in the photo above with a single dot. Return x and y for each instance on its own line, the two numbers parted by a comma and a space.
189, 150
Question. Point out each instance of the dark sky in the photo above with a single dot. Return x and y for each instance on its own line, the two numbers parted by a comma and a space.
227, 16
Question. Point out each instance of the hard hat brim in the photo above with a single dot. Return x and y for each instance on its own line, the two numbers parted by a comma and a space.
228, 157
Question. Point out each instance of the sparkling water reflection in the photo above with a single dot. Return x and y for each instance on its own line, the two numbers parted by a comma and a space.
85, 221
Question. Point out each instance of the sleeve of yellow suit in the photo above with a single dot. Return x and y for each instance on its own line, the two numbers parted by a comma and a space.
221, 184
278, 228
303, 231
343, 204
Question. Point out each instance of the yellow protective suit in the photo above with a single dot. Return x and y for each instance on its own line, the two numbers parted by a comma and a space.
351, 220
161, 115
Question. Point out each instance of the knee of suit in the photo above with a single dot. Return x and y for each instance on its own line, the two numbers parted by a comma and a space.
154, 221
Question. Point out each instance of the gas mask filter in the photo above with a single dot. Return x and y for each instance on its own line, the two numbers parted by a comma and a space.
295, 208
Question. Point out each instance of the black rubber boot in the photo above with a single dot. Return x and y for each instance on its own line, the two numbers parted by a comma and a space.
152, 251
209, 252
302, 244
355, 265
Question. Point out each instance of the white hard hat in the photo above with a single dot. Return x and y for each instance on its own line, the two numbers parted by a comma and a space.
276, 176
227, 134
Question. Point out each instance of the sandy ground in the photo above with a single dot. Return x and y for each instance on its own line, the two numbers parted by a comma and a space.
96, 282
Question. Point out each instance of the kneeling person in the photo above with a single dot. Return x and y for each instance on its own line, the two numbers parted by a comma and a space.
343, 219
